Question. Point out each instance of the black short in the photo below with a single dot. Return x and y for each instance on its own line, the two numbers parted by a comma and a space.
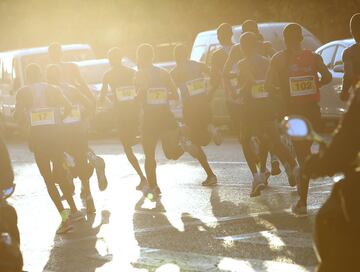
128, 123
310, 111
161, 126
198, 117
235, 113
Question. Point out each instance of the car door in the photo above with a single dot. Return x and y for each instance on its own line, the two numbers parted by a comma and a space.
339, 106
328, 100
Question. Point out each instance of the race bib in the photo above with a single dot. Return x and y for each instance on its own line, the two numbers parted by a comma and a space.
127, 93
43, 117
304, 85
74, 116
157, 96
196, 87
258, 90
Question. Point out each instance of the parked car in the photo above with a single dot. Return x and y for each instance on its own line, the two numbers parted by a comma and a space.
206, 43
332, 108
12, 67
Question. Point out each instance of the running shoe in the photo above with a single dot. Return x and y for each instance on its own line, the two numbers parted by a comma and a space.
156, 190
210, 181
188, 147
299, 209
215, 134
275, 168
99, 165
65, 227
293, 175
258, 184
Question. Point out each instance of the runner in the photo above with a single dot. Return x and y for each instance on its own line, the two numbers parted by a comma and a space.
155, 88
351, 60
74, 133
259, 116
189, 76
40, 103
120, 79
71, 74
293, 76
264, 49
218, 59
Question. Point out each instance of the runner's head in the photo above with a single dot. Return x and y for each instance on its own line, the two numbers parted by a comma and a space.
293, 35
248, 42
115, 56
33, 73
53, 74
251, 26
355, 27
55, 52
145, 55
180, 53
224, 34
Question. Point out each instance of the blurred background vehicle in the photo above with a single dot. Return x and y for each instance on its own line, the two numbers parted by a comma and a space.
332, 108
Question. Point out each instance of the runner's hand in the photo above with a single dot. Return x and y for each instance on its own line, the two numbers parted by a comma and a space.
344, 96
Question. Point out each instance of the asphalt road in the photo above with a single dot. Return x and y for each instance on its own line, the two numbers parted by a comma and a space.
191, 228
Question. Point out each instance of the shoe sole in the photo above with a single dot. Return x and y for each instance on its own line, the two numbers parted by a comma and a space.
209, 184
257, 190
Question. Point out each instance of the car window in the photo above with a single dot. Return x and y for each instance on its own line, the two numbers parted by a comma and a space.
198, 53
328, 54
310, 42
338, 55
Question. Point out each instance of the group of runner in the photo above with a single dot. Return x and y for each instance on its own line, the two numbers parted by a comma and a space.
261, 87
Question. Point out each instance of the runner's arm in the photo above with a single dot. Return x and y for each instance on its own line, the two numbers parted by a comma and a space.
348, 74
271, 80
84, 88
326, 76
20, 106
62, 101
215, 74
232, 59
171, 87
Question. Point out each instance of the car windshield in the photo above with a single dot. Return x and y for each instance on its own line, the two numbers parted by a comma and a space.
93, 74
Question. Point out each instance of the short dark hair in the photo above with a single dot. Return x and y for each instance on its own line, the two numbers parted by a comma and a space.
55, 51
33, 72
293, 34
250, 26
224, 32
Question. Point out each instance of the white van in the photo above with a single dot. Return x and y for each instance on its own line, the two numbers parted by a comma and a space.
12, 71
